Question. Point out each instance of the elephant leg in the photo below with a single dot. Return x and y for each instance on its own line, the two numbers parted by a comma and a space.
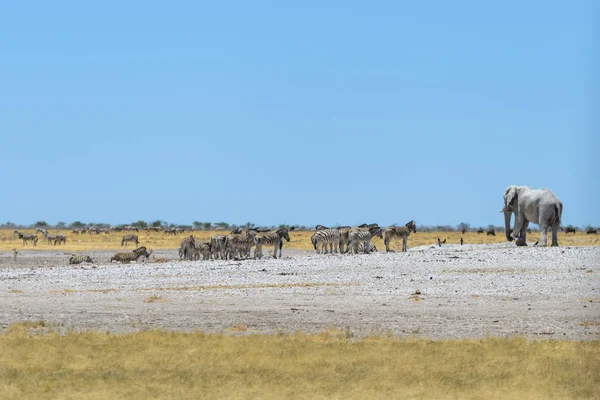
555, 227
543, 235
523, 232
519, 219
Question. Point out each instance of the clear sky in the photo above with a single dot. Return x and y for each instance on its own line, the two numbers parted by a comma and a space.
337, 112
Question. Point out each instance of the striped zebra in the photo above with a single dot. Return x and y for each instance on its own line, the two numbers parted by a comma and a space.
202, 249
60, 239
320, 227
129, 238
80, 258
239, 245
41, 230
26, 237
50, 238
403, 232
344, 231
268, 238
131, 256
186, 248
364, 235
324, 237
217, 246
361, 248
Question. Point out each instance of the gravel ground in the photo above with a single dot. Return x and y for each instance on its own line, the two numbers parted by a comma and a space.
449, 292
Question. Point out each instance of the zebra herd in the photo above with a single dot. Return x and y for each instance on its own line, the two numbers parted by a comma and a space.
355, 240
236, 245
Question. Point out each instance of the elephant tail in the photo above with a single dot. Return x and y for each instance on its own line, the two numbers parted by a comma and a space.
558, 208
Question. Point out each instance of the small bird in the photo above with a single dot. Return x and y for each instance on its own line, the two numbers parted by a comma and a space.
461, 241
439, 242
535, 244
444, 241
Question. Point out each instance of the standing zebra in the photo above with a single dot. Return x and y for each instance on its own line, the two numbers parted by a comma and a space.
26, 237
268, 238
239, 245
364, 235
131, 256
202, 249
60, 239
217, 246
324, 237
344, 231
50, 238
80, 258
403, 232
186, 249
129, 238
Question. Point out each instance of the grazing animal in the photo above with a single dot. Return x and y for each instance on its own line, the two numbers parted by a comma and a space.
41, 230
364, 235
591, 231
50, 238
480, 230
323, 237
131, 256
60, 239
129, 238
403, 232
570, 229
26, 237
491, 232
463, 230
271, 238
80, 258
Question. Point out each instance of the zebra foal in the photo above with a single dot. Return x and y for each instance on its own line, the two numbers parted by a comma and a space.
364, 235
80, 258
392, 232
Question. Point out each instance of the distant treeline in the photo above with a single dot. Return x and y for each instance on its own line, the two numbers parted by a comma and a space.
210, 226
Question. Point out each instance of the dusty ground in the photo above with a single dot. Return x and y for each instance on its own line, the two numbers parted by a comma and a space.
449, 292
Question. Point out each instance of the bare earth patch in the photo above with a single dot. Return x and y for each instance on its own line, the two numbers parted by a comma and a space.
454, 291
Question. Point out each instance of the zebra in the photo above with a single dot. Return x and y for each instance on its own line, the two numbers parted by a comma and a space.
324, 237
129, 238
403, 232
92, 229
131, 256
217, 246
239, 245
591, 231
26, 237
344, 231
51, 238
80, 258
361, 248
60, 239
273, 238
186, 249
364, 235
320, 227
41, 230
202, 249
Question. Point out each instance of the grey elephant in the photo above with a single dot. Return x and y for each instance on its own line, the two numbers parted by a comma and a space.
539, 206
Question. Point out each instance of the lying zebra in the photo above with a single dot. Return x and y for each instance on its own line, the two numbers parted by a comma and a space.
80, 258
132, 256
362, 235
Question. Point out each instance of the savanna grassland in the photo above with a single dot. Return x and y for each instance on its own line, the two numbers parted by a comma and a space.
299, 240
36, 362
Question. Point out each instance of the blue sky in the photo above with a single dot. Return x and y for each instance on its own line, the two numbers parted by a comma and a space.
344, 113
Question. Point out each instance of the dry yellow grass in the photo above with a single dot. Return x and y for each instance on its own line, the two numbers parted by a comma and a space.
155, 364
299, 240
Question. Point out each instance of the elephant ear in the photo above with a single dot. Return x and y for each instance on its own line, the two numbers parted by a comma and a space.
510, 196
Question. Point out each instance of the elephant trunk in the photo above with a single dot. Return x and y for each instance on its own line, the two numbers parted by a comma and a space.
507, 215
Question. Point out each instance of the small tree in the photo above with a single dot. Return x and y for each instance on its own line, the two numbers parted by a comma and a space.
140, 224
157, 224
61, 225
207, 226
464, 227
197, 225
248, 225
77, 224
222, 226
41, 224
